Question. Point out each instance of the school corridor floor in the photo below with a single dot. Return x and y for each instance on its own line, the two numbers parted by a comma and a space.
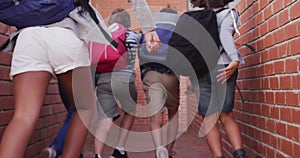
188, 145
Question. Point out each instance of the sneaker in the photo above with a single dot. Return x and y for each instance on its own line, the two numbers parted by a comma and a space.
48, 152
239, 153
117, 154
162, 152
96, 156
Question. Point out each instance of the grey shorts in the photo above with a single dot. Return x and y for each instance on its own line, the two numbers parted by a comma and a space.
112, 88
162, 90
219, 99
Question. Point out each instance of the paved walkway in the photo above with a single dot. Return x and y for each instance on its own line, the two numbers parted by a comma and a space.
186, 146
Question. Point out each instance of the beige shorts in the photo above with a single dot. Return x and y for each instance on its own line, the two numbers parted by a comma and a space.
54, 49
162, 90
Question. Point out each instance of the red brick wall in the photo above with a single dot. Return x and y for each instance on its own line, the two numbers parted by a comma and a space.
53, 111
270, 79
270, 82
106, 7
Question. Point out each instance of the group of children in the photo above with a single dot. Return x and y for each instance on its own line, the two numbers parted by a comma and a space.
161, 86
160, 83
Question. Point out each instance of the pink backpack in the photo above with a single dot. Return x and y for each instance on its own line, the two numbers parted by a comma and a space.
106, 57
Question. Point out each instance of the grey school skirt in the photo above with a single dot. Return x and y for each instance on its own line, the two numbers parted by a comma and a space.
215, 97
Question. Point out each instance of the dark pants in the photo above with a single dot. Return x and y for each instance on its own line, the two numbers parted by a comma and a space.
59, 140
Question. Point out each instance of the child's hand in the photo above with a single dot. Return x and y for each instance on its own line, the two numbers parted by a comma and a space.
226, 73
152, 41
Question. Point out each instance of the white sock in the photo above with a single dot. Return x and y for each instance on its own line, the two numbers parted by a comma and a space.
121, 149
98, 155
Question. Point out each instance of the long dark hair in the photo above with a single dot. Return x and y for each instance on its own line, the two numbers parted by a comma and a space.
227, 1
215, 3
86, 7
210, 3
199, 3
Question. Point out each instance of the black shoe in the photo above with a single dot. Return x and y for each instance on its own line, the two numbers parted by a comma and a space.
96, 156
220, 157
117, 154
239, 153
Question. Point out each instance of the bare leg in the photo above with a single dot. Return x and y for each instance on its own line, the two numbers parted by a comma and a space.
232, 130
156, 124
78, 87
172, 129
29, 91
213, 135
101, 134
213, 138
126, 125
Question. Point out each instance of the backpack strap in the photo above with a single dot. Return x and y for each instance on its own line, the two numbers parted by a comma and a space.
95, 18
234, 21
240, 93
249, 47
232, 10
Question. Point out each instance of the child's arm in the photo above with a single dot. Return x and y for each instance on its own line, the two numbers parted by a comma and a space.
144, 15
226, 31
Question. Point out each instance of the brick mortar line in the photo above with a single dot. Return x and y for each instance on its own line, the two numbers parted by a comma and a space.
258, 142
264, 117
260, 10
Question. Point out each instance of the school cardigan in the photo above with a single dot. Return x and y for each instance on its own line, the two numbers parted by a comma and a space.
226, 20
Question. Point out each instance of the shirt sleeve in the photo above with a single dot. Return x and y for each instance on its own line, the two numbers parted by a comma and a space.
143, 14
226, 38
131, 45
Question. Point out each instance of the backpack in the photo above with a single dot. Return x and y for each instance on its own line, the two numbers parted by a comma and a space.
24, 13
106, 57
194, 47
165, 25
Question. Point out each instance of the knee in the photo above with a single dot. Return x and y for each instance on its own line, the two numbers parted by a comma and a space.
157, 120
25, 119
225, 117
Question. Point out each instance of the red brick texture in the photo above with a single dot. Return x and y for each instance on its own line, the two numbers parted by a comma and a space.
269, 80
53, 112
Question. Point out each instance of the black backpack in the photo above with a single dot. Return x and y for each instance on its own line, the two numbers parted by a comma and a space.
194, 45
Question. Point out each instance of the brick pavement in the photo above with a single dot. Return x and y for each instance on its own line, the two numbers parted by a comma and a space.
187, 146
